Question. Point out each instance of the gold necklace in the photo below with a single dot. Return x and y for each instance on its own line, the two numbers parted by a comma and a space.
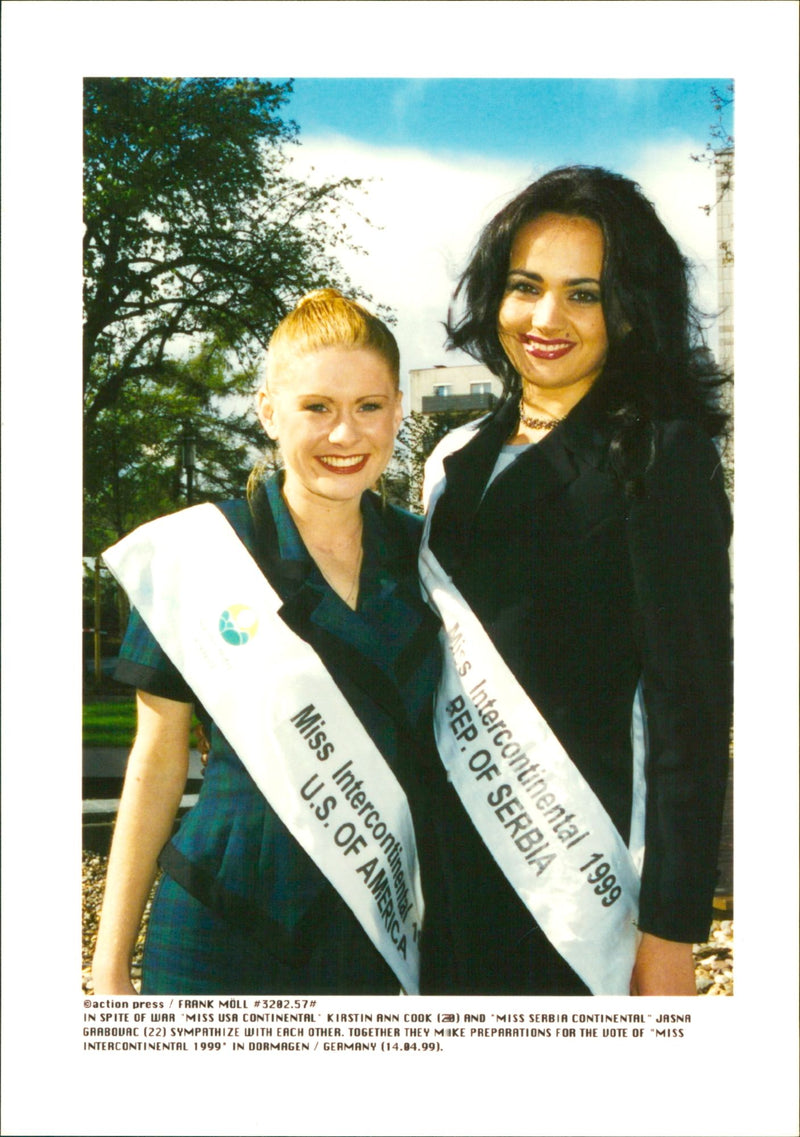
356, 576
537, 423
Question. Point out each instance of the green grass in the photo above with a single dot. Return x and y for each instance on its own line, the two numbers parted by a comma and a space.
109, 724
114, 724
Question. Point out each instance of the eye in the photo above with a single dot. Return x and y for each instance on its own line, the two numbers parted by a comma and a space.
525, 287
372, 406
583, 296
315, 408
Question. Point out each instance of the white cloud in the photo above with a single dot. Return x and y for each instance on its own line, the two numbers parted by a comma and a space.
679, 188
431, 209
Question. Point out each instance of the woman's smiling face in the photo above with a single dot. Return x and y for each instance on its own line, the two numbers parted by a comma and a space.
550, 322
335, 413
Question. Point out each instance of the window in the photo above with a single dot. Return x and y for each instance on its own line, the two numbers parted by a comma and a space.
442, 389
484, 388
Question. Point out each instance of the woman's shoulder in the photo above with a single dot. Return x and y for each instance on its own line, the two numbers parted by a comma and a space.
687, 469
682, 442
402, 525
392, 534
237, 512
456, 438
240, 516
453, 441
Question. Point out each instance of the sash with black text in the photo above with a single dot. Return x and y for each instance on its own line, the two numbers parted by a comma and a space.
280, 709
534, 810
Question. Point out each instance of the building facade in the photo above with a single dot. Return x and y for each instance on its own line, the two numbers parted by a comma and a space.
724, 172
468, 387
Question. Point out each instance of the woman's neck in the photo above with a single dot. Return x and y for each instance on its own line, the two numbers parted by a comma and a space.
332, 533
327, 522
542, 409
553, 402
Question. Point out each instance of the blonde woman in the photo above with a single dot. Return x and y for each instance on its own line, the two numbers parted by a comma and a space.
298, 868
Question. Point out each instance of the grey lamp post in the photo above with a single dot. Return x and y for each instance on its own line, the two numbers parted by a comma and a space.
188, 458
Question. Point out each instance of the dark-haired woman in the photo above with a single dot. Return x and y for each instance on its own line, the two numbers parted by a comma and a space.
577, 554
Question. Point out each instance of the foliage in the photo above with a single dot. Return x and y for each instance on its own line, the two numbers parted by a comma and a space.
109, 724
719, 153
416, 439
134, 469
113, 723
197, 241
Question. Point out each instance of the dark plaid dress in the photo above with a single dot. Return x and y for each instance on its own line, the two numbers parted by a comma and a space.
241, 908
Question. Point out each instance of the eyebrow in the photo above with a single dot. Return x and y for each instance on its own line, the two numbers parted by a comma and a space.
360, 399
539, 279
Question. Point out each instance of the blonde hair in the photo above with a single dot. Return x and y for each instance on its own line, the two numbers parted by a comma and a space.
321, 319
326, 318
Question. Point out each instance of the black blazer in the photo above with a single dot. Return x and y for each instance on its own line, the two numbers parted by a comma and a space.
585, 592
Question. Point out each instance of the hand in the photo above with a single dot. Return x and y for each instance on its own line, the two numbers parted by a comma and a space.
154, 781
107, 982
663, 967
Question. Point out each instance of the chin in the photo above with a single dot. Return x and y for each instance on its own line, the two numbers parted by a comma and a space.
340, 490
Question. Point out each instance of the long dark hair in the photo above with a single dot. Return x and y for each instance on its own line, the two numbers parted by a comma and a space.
658, 364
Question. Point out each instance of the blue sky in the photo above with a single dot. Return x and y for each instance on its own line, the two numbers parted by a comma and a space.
437, 190
443, 154
565, 120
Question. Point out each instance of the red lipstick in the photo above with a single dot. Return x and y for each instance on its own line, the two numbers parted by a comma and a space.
546, 349
335, 465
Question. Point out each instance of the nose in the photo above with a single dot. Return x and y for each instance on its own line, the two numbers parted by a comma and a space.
546, 314
343, 432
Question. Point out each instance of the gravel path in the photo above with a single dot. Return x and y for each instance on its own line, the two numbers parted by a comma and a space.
94, 875
713, 960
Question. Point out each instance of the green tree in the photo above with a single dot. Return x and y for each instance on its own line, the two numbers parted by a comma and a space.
416, 440
135, 467
197, 241
719, 153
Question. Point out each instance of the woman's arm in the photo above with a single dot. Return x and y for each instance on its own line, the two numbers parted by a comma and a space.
663, 967
678, 538
154, 783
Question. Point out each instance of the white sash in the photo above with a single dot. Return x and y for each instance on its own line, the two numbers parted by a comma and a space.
535, 812
216, 617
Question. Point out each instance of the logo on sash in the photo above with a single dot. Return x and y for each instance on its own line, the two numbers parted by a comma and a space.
238, 624
304, 746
